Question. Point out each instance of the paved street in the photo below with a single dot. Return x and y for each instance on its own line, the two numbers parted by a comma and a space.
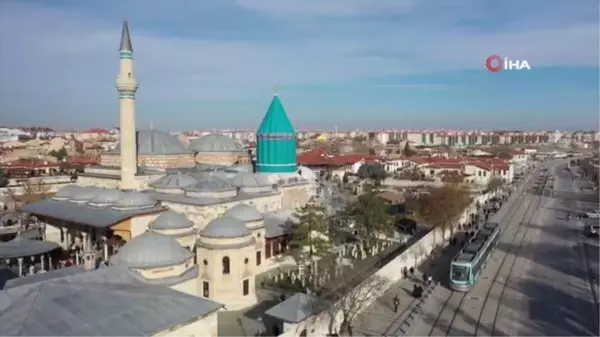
380, 318
536, 282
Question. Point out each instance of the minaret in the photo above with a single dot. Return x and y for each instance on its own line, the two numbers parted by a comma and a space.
127, 86
276, 141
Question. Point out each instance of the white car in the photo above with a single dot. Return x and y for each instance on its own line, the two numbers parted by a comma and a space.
594, 215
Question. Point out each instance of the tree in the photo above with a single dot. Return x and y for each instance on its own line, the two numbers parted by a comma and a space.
60, 154
369, 215
3, 179
454, 177
494, 184
346, 301
443, 206
34, 190
310, 231
407, 150
373, 171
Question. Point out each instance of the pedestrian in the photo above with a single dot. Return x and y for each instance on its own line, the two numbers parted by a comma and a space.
396, 303
424, 278
412, 272
405, 272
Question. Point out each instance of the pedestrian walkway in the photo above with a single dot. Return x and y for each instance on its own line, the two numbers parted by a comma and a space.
376, 319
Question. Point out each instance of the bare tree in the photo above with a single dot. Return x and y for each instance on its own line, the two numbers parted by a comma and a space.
494, 184
346, 301
443, 206
419, 251
34, 190
11, 194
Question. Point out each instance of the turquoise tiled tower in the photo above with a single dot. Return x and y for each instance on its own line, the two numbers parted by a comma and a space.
276, 141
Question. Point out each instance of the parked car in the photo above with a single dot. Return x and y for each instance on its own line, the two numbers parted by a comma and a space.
593, 215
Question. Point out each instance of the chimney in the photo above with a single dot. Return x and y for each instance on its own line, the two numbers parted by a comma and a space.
89, 261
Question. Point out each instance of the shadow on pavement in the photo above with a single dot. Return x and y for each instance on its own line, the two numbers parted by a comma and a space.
557, 231
555, 312
554, 256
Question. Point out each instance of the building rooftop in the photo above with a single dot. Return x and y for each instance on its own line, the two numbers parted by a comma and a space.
101, 217
295, 309
156, 142
108, 301
215, 142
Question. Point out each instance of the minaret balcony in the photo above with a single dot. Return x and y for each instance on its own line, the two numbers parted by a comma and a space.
127, 85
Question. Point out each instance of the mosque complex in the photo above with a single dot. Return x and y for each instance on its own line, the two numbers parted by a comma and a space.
165, 236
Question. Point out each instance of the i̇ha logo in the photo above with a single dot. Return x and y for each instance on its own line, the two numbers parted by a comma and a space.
495, 63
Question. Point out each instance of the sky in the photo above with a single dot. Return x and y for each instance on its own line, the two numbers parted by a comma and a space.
350, 64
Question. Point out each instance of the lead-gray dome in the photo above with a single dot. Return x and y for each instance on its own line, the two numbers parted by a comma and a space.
107, 196
215, 142
210, 182
136, 200
156, 142
171, 220
151, 250
84, 193
174, 181
66, 192
225, 227
244, 212
247, 179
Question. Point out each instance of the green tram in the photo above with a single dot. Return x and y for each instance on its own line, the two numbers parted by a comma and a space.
467, 265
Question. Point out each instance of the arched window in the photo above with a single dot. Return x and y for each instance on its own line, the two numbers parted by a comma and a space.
226, 265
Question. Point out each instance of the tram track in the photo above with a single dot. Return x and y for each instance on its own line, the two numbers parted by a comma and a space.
521, 231
454, 303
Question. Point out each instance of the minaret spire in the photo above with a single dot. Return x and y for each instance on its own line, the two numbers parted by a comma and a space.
125, 38
127, 87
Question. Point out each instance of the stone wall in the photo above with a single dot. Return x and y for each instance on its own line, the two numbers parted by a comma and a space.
153, 160
318, 325
221, 158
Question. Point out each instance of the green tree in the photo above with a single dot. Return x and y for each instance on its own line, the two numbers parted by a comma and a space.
373, 171
60, 154
369, 213
407, 152
3, 179
309, 233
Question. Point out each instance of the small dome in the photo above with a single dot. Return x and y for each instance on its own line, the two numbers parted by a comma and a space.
246, 179
84, 193
151, 250
171, 220
225, 227
136, 200
244, 212
174, 181
156, 142
210, 182
66, 192
107, 196
215, 142
241, 168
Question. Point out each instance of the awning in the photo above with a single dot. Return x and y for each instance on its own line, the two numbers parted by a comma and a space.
22, 247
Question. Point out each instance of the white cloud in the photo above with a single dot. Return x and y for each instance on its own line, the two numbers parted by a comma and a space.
71, 56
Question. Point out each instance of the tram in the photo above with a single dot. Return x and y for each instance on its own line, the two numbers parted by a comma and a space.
468, 263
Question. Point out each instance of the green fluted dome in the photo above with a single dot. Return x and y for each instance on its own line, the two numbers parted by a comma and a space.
276, 120
276, 141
